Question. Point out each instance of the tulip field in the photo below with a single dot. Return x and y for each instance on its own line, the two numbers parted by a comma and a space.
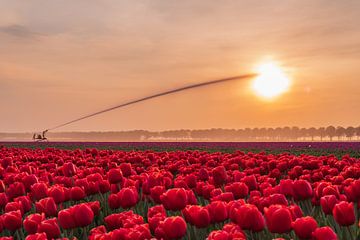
100, 194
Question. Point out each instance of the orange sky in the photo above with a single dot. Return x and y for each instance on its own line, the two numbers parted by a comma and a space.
60, 61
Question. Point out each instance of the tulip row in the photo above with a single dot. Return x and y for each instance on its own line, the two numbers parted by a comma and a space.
105, 194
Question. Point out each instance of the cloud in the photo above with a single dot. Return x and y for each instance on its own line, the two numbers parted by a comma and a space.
19, 31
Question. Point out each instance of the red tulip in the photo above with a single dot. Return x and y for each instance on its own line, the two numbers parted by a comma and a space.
125, 169
77, 193
13, 206
37, 236
25, 201
15, 190
250, 218
344, 213
191, 180
174, 199
50, 227
115, 176
218, 211
113, 201
197, 216
32, 222
66, 219
3, 200
156, 192
278, 198
47, 206
12, 220
296, 212
29, 180
39, 191
104, 186
327, 203
69, 169
95, 207
302, 190
128, 197
219, 235
324, 233
174, 227
239, 189
278, 219
331, 190
304, 227
219, 175
57, 193
83, 215
251, 182
286, 187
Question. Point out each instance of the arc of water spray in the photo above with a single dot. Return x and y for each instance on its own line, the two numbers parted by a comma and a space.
245, 76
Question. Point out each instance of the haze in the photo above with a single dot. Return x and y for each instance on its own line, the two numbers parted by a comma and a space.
60, 60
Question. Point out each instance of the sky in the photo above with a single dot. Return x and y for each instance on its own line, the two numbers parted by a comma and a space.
60, 60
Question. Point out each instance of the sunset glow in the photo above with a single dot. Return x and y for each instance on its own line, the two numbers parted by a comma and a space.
271, 82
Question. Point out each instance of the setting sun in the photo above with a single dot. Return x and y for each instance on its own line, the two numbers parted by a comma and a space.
271, 81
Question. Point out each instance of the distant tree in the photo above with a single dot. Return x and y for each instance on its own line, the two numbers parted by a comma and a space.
286, 132
358, 132
350, 132
340, 132
247, 133
270, 132
263, 133
295, 133
312, 132
321, 133
278, 133
330, 132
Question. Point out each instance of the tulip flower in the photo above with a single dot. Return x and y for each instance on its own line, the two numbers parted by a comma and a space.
278, 219
327, 203
128, 197
197, 216
50, 228
248, 217
156, 192
219, 175
344, 213
37, 236
218, 211
304, 227
69, 169
239, 189
77, 193
324, 233
47, 206
302, 190
174, 227
32, 222
115, 176
12, 220
174, 199
39, 191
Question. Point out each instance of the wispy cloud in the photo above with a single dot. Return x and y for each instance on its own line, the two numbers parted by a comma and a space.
19, 31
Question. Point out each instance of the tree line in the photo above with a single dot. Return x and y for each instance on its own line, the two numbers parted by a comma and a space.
329, 133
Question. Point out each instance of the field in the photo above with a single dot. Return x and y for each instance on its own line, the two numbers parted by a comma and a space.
180, 190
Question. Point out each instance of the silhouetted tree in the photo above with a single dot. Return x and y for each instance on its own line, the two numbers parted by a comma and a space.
330, 132
340, 132
358, 132
350, 132
321, 133
312, 133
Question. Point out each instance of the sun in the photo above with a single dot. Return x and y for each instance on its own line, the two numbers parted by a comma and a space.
271, 81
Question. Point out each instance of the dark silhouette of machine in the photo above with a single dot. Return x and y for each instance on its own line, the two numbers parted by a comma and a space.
40, 137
